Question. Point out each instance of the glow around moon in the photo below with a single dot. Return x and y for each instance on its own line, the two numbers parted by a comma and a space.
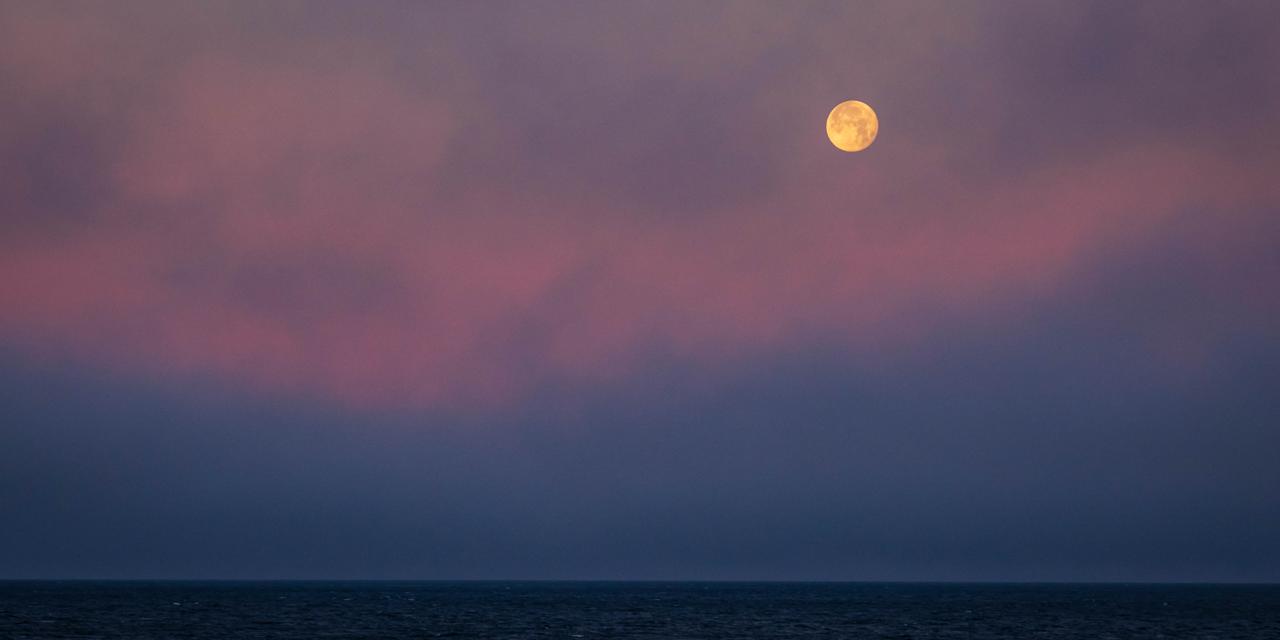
852, 126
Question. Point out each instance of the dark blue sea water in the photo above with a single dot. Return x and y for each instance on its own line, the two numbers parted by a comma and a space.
632, 610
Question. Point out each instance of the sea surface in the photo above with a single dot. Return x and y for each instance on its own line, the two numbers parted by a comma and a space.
632, 610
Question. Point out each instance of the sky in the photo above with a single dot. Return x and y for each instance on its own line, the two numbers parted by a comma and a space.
580, 290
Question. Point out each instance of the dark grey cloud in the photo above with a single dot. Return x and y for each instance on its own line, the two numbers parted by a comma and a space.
1075, 78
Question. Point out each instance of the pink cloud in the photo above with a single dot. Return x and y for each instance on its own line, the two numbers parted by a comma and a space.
293, 228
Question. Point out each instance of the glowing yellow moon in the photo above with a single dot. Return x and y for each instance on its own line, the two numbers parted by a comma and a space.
852, 126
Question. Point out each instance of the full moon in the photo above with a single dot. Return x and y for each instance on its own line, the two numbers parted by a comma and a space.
852, 126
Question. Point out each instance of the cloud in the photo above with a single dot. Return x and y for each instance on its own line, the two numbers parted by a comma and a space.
581, 291
449, 221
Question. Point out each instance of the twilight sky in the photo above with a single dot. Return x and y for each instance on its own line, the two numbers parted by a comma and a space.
581, 290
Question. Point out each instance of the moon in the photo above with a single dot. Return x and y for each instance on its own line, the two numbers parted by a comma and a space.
852, 126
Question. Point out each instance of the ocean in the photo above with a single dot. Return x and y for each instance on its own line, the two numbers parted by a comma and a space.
146, 610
